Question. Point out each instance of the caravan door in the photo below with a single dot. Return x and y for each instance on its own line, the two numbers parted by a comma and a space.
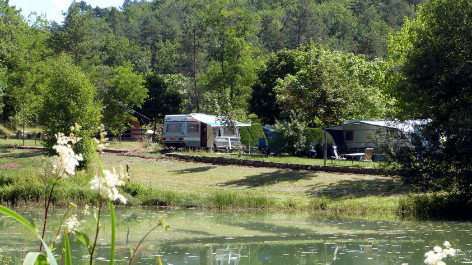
206, 137
203, 135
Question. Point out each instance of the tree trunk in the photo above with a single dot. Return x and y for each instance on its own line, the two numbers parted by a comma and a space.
195, 69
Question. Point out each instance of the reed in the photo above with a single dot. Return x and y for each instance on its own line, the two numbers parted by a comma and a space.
435, 206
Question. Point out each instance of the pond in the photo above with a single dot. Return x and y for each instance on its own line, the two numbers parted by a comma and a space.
248, 237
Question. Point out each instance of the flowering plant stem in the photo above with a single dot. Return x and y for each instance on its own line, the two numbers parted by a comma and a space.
140, 242
112, 217
46, 211
96, 232
60, 225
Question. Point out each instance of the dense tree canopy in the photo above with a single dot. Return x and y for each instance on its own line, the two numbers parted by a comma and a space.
69, 101
221, 51
431, 79
126, 92
163, 99
263, 101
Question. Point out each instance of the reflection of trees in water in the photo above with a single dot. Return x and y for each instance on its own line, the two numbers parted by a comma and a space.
276, 238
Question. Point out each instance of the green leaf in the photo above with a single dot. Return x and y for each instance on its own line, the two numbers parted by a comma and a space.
35, 258
52, 260
113, 231
131, 248
51, 181
31, 221
22, 220
19, 218
84, 239
159, 259
68, 258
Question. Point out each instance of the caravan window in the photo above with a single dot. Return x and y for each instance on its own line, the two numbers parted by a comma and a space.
192, 127
216, 132
228, 131
173, 127
349, 135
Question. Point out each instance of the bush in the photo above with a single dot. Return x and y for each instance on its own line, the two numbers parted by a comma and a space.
290, 136
436, 206
250, 135
23, 188
296, 139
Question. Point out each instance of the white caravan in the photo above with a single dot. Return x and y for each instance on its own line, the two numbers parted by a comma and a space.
199, 130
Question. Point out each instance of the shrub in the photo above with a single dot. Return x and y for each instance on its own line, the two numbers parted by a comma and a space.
440, 206
290, 136
250, 134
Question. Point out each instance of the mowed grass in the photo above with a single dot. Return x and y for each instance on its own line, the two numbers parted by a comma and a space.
285, 159
284, 189
187, 184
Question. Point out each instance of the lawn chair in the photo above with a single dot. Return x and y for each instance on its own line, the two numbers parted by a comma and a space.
369, 153
337, 157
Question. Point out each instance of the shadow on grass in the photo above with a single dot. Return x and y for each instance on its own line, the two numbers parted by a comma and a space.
362, 188
192, 170
9, 153
270, 178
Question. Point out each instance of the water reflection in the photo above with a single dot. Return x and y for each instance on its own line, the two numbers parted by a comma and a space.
246, 238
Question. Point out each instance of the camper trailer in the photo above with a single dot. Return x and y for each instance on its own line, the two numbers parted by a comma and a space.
356, 136
200, 130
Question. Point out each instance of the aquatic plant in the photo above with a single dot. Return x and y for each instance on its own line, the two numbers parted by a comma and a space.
104, 183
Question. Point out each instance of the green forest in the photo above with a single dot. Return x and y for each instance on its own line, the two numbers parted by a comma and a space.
215, 57
297, 63
318, 62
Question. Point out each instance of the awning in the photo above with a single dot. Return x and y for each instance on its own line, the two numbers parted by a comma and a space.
214, 121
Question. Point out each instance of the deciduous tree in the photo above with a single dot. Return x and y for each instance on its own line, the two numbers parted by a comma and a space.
69, 100
319, 91
430, 79
126, 91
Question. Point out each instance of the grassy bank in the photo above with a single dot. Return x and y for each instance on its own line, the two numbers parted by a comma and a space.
168, 182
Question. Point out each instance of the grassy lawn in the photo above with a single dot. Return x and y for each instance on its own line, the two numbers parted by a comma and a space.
283, 189
286, 159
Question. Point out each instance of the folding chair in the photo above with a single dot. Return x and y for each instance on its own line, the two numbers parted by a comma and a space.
336, 157
369, 153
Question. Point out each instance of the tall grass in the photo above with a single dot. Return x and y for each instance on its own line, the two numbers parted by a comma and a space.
439, 206
27, 189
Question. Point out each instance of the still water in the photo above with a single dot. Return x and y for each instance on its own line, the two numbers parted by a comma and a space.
249, 238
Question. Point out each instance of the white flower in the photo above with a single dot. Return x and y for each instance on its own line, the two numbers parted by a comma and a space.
72, 224
106, 185
450, 252
86, 209
435, 256
447, 244
66, 161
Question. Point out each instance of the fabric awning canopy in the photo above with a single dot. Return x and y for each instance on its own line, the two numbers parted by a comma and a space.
214, 121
